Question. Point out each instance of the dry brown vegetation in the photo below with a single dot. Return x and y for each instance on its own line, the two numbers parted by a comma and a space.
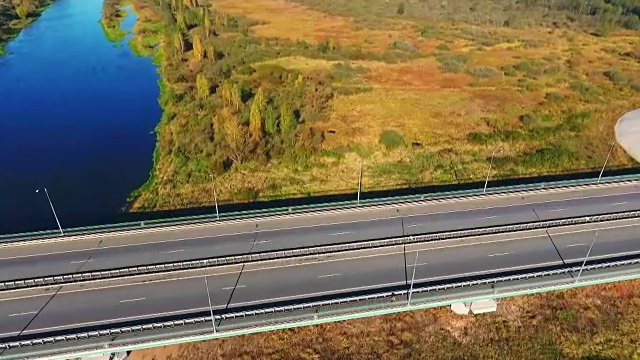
598, 322
418, 98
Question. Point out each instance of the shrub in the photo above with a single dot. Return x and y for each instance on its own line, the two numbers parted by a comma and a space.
584, 89
528, 119
452, 63
553, 97
485, 72
391, 139
400, 10
616, 76
443, 47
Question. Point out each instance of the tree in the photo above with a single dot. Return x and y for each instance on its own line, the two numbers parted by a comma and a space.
211, 52
231, 94
257, 114
287, 120
198, 48
235, 135
400, 9
206, 23
178, 42
181, 21
270, 120
202, 86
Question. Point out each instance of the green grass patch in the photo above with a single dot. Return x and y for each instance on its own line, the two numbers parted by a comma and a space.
391, 139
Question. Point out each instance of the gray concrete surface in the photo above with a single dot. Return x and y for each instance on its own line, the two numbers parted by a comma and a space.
54, 258
627, 131
273, 281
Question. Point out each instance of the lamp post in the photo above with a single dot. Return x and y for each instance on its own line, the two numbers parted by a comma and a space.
613, 144
52, 209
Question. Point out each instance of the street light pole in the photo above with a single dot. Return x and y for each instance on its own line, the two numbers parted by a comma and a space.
213, 320
486, 182
360, 182
613, 144
588, 252
415, 265
52, 209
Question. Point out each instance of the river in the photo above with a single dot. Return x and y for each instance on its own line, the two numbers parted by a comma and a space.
77, 115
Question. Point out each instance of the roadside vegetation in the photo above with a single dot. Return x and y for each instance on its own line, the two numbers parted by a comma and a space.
593, 323
15, 15
270, 99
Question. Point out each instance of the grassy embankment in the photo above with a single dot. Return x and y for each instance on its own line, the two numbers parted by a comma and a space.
112, 16
274, 99
15, 16
594, 323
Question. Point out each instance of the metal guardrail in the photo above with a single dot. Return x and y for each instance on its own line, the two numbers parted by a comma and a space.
309, 305
302, 208
309, 251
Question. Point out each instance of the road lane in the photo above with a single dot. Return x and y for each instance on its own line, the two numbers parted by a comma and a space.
485, 258
609, 242
269, 282
142, 249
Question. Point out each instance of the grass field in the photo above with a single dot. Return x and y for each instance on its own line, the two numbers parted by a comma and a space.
418, 99
599, 322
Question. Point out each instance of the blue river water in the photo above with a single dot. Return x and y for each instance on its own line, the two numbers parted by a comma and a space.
77, 115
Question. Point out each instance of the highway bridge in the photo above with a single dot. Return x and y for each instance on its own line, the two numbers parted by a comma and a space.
146, 287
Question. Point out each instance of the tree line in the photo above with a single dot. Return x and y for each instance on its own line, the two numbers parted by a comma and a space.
222, 105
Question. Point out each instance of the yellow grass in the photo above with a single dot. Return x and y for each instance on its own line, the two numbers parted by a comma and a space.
285, 20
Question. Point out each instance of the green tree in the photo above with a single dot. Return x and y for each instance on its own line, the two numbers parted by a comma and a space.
206, 23
178, 42
287, 120
198, 48
203, 86
401, 9
181, 21
270, 120
211, 52
256, 116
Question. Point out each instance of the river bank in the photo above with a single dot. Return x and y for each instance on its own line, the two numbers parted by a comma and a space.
14, 18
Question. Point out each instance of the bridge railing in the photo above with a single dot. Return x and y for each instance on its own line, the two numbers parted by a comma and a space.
306, 251
310, 207
307, 313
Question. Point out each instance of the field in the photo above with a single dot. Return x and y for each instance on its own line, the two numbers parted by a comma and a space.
415, 96
593, 323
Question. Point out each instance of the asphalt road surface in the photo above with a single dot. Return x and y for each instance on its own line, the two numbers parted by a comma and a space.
270, 282
232, 238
